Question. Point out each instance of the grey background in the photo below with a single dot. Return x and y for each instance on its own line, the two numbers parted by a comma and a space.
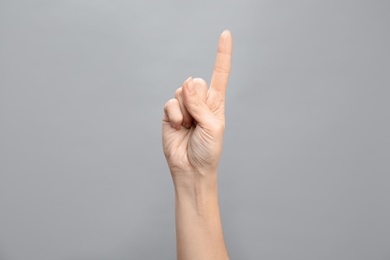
305, 169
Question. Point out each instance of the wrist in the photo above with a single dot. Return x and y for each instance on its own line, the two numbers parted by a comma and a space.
197, 196
195, 188
194, 180
198, 221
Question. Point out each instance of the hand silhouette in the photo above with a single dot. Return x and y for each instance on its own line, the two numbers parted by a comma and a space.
194, 121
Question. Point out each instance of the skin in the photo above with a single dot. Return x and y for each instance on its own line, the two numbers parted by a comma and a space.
192, 132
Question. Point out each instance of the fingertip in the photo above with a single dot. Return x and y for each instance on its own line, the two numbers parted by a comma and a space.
187, 125
226, 33
175, 125
189, 86
225, 42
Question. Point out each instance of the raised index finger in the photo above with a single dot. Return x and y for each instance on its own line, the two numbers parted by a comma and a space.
221, 71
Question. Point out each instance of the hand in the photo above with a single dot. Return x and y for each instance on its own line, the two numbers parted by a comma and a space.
194, 121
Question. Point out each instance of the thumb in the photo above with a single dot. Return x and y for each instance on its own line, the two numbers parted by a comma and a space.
196, 106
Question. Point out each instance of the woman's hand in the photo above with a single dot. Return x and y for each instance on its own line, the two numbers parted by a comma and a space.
194, 121
193, 127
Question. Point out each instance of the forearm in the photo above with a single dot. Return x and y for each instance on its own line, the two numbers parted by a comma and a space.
198, 223
192, 131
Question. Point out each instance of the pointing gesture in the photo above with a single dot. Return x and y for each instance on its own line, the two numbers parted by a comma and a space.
192, 131
194, 120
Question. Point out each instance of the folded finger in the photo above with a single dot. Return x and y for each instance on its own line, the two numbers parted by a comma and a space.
173, 113
187, 118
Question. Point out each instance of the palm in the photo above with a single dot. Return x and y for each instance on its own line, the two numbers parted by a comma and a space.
176, 144
191, 148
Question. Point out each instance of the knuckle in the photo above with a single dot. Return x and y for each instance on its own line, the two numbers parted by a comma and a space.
201, 87
200, 81
172, 101
166, 107
169, 104
178, 92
